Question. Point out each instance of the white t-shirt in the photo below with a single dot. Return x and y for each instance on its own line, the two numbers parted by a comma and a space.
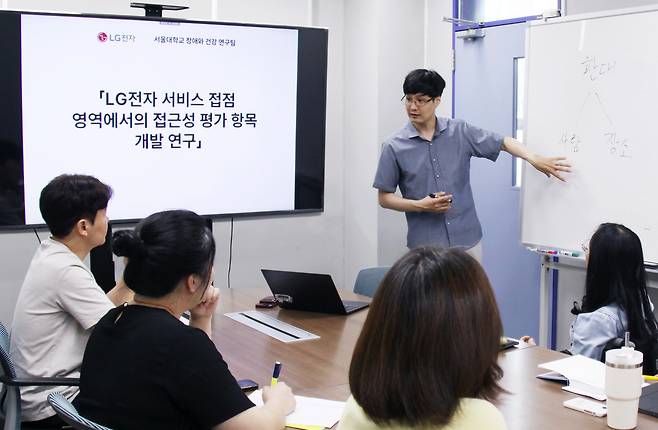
57, 306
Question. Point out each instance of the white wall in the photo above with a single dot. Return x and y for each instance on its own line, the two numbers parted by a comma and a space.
572, 7
198, 9
16, 250
385, 39
399, 54
426, 42
288, 12
372, 45
310, 242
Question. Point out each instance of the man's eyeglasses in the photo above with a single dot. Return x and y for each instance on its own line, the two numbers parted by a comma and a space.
585, 246
418, 102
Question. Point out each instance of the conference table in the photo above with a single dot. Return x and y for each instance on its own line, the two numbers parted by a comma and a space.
319, 367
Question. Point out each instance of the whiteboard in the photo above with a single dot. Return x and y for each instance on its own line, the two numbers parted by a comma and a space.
592, 96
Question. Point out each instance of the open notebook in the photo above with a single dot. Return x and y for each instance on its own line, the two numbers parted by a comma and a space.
310, 412
586, 376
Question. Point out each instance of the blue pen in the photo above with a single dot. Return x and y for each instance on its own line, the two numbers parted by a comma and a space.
275, 374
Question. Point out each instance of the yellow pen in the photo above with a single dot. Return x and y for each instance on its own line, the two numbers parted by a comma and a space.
650, 378
275, 374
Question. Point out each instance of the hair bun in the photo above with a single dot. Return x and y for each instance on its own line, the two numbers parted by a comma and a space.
126, 243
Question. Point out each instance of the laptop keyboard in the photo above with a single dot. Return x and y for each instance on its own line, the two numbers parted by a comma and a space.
351, 305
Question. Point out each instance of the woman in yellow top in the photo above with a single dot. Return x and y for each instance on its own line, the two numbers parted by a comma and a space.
426, 358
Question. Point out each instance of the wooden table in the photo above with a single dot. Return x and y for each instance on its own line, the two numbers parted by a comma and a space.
319, 368
537, 404
308, 365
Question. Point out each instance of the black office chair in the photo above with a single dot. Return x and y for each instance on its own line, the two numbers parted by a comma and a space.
615, 343
10, 395
368, 280
67, 412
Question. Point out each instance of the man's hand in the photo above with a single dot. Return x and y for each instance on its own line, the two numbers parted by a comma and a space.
440, 204
550, 166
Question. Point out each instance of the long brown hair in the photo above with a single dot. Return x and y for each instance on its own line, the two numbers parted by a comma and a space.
431, 338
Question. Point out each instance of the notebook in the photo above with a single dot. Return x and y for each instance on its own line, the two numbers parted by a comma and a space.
586, 376
309, 413
313, 292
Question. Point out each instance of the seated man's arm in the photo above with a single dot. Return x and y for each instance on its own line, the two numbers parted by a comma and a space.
79, 295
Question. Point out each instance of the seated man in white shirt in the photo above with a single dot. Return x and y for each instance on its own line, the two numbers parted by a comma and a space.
60, 301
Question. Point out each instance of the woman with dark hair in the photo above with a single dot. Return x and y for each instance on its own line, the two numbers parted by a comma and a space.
426, 357
616, 298
143, 368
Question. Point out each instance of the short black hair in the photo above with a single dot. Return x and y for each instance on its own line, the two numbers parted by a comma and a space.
69, 198
163, 249
424, 81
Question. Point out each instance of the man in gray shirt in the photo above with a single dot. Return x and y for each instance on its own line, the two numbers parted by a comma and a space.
60, 302
429, 159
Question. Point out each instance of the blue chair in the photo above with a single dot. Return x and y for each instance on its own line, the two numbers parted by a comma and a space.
368, 280
67, 412
10, 394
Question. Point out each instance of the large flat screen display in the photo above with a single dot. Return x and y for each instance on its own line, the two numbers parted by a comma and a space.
221, 119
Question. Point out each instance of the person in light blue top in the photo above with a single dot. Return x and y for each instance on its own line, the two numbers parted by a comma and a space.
590, 331
429, 160
616, 298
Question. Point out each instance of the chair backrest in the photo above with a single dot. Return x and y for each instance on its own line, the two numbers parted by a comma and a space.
368, 280
10, 396
7, 368
614, 343
67, 412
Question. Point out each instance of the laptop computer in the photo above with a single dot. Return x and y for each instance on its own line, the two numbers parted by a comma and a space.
649, 400
313, 292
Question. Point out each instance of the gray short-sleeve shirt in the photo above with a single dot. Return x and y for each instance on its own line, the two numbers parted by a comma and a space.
57, 306
420, 167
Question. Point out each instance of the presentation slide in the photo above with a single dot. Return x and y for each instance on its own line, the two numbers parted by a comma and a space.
169, 114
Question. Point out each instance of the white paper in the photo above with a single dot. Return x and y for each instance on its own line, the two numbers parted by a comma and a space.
309, 411
586, 391
579, 368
